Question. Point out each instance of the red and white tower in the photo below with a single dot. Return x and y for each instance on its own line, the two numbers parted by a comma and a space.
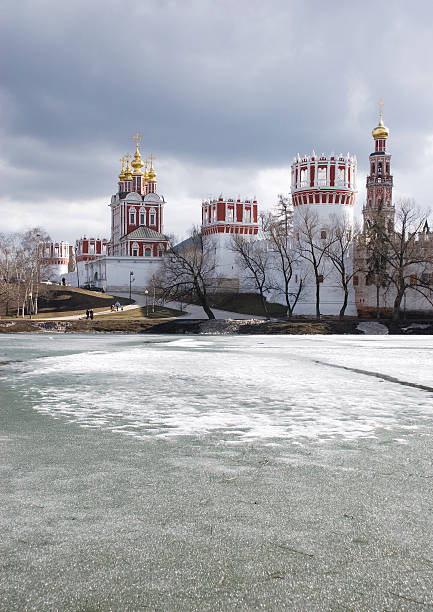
229, 216
137, 211
327, 185
379, 181
55, 259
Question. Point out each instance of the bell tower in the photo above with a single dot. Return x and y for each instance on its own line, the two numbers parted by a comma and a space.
379, 181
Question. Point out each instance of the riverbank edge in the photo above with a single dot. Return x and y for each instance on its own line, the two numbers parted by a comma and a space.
302, 326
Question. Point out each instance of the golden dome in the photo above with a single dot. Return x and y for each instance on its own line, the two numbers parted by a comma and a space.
381, 131
128, 171
137, 162
146, 174
122, 172
152, 173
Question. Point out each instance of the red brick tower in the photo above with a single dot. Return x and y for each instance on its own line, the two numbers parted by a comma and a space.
379, 181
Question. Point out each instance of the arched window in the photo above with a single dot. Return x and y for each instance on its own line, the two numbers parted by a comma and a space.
160, 250
247, 215
132, 216
142, 216
135, 249
152, 216
147, 252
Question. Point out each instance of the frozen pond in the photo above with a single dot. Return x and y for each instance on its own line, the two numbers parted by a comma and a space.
216, 473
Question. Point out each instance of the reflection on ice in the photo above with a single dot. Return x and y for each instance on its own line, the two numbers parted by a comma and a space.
249, 388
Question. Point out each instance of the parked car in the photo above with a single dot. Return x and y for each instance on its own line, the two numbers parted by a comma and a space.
89, 287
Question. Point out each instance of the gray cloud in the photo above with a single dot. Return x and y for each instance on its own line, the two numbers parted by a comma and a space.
243, 85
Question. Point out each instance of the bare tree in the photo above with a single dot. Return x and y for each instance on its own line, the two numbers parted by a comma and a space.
286, 257
313, 244
189, 271
339, 250
403, 259
285, 213
9, 247
21, 267
254, 259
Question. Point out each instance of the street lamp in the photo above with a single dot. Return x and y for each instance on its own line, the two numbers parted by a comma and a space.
131, 278
146, 293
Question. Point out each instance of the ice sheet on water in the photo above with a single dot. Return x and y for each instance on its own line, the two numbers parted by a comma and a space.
266, 388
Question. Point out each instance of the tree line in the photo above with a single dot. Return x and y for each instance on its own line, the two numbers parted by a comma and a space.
21, 270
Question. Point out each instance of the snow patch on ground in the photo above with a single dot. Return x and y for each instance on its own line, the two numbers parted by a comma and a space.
372, 328
416, 326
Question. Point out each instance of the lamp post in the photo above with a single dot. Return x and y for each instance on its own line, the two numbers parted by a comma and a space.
38, 271
146, 293
131, 278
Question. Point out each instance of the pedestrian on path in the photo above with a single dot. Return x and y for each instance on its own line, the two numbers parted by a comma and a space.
87, 313
91, 313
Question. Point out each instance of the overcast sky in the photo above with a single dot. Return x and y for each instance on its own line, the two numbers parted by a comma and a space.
224, 94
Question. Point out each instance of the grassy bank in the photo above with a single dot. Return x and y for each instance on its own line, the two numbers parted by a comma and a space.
142, 325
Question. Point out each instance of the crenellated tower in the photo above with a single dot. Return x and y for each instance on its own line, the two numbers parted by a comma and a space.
379, 181
229, 216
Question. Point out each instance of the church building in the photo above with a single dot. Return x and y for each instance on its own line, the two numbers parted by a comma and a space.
137, 230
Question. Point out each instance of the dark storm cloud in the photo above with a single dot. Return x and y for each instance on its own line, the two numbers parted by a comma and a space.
242, 83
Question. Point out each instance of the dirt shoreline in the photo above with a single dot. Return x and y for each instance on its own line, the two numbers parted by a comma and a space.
218, 327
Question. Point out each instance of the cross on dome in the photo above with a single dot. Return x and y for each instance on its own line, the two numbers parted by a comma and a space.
137, 138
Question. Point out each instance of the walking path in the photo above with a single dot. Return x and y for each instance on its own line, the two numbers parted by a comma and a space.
193, 311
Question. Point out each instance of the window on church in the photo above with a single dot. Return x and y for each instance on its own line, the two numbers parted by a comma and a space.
379, 168
147, 252
373, 168
132, 216
247, 215
230, 214
142, 218
152, 218
135, 252
340, 176
91, 249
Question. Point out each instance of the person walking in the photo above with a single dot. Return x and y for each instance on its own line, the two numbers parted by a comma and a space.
87, 313
91, 313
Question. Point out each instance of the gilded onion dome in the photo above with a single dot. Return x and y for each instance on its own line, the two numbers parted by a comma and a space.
137, 162
146, 174
381, 131
152, 173
128, 171
122, 172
